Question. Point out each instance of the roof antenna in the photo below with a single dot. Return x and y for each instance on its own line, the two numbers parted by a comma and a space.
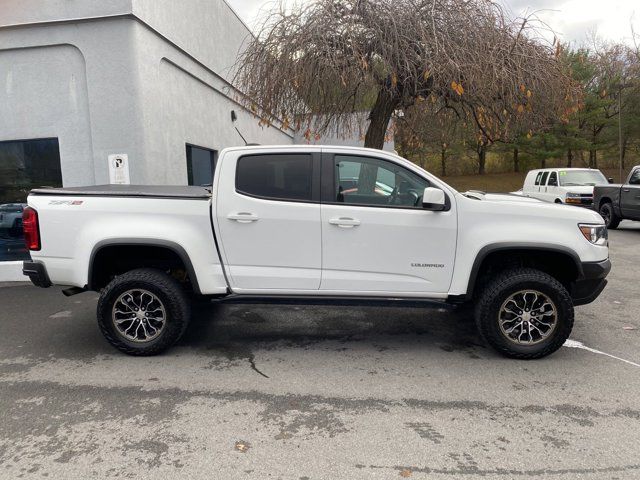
234, 118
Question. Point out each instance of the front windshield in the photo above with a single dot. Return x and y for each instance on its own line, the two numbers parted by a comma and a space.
582, 178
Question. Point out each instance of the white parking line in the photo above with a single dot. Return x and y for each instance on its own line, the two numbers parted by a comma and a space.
576, 344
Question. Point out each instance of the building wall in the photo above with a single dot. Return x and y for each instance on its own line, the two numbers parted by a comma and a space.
118, 84
19, 12
184, 101
73, 82
208, 29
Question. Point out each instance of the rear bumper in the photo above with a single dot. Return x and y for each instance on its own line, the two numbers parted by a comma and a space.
37, 273
591, 283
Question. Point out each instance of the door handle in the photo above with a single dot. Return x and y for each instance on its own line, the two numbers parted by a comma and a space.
626, 190
243, 217
345, 222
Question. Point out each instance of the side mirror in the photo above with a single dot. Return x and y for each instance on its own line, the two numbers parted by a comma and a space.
433, 199
552, 183
610, 180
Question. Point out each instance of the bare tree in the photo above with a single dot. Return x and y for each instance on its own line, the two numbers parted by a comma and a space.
319, 62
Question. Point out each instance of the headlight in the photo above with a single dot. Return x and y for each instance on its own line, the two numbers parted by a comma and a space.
596, 234
573, 198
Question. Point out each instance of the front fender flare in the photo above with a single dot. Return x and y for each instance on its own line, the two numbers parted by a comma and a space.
516, 246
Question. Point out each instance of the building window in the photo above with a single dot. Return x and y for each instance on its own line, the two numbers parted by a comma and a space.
201, 164
24, 165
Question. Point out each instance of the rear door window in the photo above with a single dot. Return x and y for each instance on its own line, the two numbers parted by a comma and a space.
276, 177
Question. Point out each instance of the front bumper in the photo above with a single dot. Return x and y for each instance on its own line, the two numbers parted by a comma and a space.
591, 283
37, 273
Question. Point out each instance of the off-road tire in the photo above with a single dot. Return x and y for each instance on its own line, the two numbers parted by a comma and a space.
167, 289
608, 213
505, 284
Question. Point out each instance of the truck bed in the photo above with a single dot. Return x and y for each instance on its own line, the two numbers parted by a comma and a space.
152, 191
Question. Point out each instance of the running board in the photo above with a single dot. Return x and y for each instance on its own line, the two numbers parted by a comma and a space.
319, 300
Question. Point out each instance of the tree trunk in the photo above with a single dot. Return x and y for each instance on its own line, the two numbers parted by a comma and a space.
543, 163
593, 158
443, 162
379, 117
482, 158
623, 153
569, 158
516, 160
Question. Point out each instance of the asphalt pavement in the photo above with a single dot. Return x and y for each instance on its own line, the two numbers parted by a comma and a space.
305, 393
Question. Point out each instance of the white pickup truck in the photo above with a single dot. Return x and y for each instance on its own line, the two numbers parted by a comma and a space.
317, 225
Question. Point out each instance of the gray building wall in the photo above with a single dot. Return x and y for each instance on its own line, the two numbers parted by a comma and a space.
141, 77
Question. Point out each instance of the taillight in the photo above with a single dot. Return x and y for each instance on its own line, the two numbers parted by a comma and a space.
31, 229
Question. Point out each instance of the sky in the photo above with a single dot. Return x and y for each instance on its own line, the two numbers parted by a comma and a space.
574, 21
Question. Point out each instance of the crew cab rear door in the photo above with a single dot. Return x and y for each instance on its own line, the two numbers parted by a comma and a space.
630, 196
267, 208
376, 237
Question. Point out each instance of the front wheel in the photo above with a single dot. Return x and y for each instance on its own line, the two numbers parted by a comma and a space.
607, 212
143, 312
525, 313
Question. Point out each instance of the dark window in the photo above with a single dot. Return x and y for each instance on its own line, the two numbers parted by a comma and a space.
278, 177
375, 182
201, 164
543, 181
553, 179
24, 165
538, 177
635, 177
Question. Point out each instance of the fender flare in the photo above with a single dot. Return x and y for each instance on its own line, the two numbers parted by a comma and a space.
518, 246
140, 242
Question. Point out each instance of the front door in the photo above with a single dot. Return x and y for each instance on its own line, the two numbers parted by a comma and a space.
376, 237
268, 214
630, 196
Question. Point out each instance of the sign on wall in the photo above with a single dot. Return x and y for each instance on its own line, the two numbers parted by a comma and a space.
119, 169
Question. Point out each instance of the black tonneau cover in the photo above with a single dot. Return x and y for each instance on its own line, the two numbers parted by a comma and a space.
152, 191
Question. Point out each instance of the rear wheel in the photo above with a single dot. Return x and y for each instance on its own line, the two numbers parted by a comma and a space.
607, 212
525, 313
143, 312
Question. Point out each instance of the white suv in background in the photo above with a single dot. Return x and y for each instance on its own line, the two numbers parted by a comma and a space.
573, 186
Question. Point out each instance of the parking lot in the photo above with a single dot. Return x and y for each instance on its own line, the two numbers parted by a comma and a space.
320, 393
